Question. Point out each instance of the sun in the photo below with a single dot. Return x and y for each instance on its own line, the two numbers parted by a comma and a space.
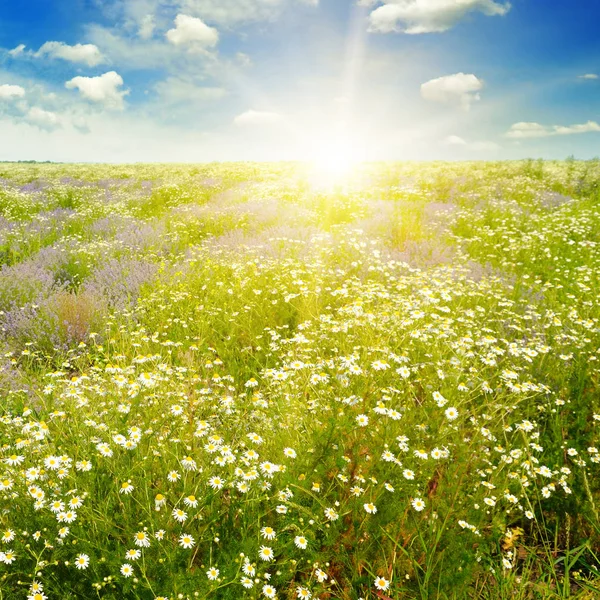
334, 161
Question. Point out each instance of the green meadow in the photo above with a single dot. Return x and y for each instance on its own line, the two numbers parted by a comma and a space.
245, 380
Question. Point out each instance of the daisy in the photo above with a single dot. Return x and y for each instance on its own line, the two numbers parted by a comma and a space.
190, 501
362, 420
179, 515
381, 583
82, 561
186, 541
37, 596
370, 508
302, 592
268, 533
418, 504
331, 514
216, 483
8, 536
289, 452
247, 582
408, 474
132, 554
301, 542
141, 539
8, 557
249, 569
269, 591
266, 553
451, 413
126, 488
212, 573
126, 570
173, 476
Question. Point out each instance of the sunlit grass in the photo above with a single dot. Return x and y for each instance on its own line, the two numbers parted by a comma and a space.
233, 381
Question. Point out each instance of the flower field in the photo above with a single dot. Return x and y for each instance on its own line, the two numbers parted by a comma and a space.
239, 381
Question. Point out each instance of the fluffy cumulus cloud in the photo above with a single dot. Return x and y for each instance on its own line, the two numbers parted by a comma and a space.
460, 88
44, 119
10, 92
427, 16
87, 54
257, 117
104, 89
192, 33
535, 130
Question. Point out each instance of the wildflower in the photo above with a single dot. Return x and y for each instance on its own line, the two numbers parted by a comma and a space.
266, 553
188, 463
451, 413
159, 501
408, 474
303, 593
14, 460
321, 575
362, 420
142, 539
331, 514
269, 591
418, 504
8, 557
186, 541
190, 501
173, 476
370, 508
212, 573
179, 515
381, 583
63, 532
268, 533
82, 561
126, 488
289, 452
126, 570
8, 536
247, 582
133, 554
160, 534
37, 596
249, 569
216, 483
301, 542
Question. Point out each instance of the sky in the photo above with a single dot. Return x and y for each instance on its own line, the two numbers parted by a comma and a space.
224, 80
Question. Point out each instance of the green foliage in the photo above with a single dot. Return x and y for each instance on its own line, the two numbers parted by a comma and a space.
379, 387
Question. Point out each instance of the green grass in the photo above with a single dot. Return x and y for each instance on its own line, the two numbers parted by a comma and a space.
398, 375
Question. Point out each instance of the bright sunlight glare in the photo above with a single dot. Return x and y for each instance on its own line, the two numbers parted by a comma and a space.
333, 162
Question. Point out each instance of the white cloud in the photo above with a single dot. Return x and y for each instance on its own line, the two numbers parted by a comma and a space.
237, 12
460, 88
43, 119
481, 146
176, 90
454, 140
88, 54
257, 117
193, 33
18, 50
589, 76
103, 89
535, 130
427, 16
146, 27
9, 92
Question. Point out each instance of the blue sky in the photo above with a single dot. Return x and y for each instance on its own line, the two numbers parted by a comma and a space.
202, 80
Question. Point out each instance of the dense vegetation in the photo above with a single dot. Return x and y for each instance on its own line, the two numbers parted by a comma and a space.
235, 381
